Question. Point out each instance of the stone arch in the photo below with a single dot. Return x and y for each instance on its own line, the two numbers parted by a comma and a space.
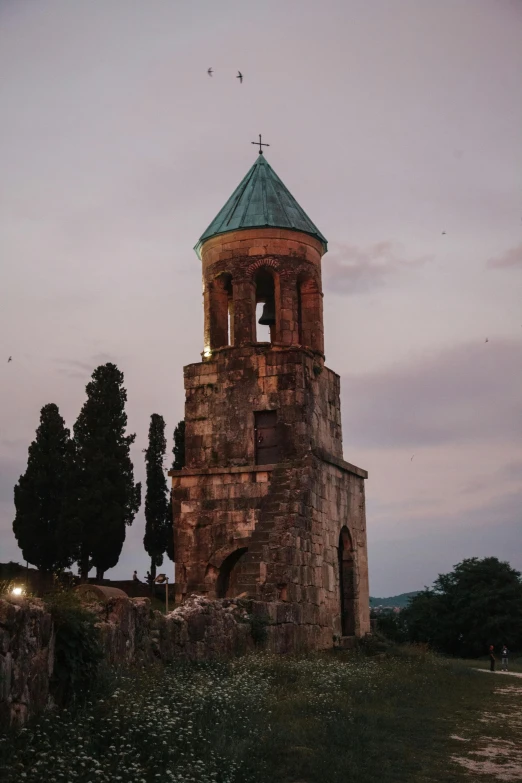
309, 312
226, 583
221, 311
261, 262
347, 582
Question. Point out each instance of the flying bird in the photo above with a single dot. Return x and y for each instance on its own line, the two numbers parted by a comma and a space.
412, 456
443, 233
210, 71
240, 77
10, 359
486, 340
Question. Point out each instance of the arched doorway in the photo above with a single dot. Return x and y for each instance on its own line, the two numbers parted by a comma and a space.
226, 583
347, 583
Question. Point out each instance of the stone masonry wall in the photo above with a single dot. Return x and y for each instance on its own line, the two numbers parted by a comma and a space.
222, 395
292, 531
216, 511
26, 659
293, 554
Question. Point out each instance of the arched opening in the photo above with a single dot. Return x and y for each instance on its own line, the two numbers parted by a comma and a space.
265, 288
226, 584
347, 583
309, 313
221, 311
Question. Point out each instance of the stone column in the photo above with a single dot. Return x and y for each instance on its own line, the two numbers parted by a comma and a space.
244, 311
288, 332
218, 313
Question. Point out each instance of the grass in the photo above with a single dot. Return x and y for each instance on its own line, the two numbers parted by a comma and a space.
335, 717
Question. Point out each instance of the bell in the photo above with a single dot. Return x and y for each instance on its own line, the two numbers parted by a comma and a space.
268, 314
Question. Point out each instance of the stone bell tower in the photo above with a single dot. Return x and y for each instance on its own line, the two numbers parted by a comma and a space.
265, 506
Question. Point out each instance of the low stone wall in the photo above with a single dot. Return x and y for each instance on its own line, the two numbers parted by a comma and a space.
131, 633
198, 630
26, 659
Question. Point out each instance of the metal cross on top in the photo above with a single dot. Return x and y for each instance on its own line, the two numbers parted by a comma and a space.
260, 144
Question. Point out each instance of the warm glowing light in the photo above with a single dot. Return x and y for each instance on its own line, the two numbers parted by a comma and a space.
17, 590
207, 352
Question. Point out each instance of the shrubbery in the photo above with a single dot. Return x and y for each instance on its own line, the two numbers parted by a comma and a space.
78, 653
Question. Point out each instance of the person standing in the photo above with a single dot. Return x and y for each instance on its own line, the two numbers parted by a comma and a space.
505, 656
492, 658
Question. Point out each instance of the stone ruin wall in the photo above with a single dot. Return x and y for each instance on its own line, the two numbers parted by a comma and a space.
131, 634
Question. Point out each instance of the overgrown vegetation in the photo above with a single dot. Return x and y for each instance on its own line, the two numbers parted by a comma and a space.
78, 654
258, 629
259, 719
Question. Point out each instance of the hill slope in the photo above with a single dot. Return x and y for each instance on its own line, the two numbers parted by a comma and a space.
394, 600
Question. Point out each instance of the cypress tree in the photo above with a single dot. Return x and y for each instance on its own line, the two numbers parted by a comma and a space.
177, 464
179, 446
40, 527
157, 506
107, 497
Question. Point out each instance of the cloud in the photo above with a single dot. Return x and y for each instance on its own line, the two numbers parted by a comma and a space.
511, 258
407, 557
470, 393
74, 368
353, 270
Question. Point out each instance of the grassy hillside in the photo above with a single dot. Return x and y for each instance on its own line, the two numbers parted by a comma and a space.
394, 600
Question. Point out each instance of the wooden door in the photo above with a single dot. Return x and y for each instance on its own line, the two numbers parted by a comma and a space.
267, 446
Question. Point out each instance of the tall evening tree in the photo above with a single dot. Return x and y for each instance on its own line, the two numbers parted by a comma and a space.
179, 446
479, 603
107, 497
157, 505
178, 463
41, 529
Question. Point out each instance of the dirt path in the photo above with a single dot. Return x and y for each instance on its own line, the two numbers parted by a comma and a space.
498, 757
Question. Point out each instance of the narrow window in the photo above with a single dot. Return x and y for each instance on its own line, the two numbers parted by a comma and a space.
265, 306
266, 437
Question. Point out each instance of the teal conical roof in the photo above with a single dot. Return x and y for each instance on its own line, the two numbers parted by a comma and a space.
261, 200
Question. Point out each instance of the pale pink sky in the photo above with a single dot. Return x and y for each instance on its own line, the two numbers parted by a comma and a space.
389, 121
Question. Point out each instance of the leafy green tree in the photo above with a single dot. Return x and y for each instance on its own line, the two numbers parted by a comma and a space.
479, 603
157, 499
107, 499
179, 446
43, 533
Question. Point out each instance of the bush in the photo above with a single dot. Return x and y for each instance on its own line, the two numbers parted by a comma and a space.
392, 625
77, 653
373, 644
259, 633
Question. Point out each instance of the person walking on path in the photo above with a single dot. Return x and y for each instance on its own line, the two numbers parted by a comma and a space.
492, 658
505, 656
